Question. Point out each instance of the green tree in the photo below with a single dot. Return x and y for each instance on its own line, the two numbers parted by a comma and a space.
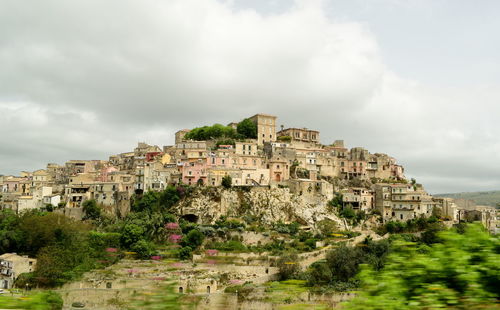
211, 132
227, 181
319, 274
288, 265
193, 239
91, 210
344, 262
247, 129
131, 233
143, 248
461, 272
185, 253
11, 235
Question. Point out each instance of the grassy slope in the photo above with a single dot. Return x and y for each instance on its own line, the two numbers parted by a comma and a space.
481, 198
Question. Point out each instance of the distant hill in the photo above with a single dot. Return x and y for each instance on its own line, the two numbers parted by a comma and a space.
491, 198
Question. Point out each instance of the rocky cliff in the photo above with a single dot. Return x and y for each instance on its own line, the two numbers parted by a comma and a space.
264, 205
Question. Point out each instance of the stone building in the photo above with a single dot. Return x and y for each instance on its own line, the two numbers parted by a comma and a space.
266, 127
11, 266
300, 134
401, 202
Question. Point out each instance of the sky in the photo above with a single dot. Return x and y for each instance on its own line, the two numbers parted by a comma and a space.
416, 79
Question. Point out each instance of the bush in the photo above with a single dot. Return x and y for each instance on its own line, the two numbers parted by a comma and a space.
91, 210
131, 233
288, 266
310, 244
144, 249
326, 227
340, 269
185, 253
193, 239
291, 228
227, 181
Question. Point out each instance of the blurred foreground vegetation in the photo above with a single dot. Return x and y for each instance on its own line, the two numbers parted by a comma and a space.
461, 271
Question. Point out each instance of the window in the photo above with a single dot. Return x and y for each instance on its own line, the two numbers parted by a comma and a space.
223, 161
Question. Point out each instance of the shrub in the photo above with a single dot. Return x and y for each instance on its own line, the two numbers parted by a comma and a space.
193, 239
91, 210
227, 181
144, 249
185, 253
288, 266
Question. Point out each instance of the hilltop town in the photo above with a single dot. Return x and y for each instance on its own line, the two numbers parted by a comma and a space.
252, 189
253, 154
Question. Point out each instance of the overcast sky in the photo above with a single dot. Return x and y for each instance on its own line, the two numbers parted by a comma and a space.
417, 79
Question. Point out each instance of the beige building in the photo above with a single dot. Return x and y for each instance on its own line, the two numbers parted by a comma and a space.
179, 135
266, 127
11, 266
401, 202
359, 198
300, 134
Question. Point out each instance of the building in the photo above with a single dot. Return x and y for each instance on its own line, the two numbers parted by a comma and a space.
358, 198
300, 134
266, 127
11, 266
179, 135
401, 201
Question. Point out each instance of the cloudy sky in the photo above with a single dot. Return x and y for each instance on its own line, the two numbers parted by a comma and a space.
417, 79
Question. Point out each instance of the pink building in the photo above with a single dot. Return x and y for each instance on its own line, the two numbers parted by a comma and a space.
194, 172
105, 172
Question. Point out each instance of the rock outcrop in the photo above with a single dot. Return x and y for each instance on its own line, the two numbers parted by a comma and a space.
265, 205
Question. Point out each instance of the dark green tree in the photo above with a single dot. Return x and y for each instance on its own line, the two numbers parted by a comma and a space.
288, 265
144, 249
91, 210
247, 129
193, 239
227, 181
